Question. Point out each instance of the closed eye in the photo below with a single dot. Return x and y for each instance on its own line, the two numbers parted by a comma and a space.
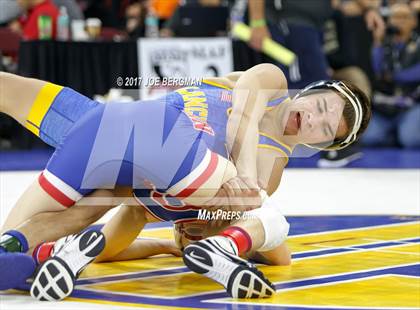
318, 104
326, 131
330, 131
325, 104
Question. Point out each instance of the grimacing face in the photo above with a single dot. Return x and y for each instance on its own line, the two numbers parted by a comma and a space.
316, 118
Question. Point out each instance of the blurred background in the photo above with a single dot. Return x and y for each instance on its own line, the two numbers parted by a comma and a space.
87, 45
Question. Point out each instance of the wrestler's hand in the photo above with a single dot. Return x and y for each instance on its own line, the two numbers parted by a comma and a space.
243, 194
238, 194
257, 37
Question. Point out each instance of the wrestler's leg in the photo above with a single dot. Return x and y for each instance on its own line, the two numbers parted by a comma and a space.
49, 111
122, 230
275, 255
15, 266
262, 230
145, 247
278, 255
33, 201
50, 226
17, 95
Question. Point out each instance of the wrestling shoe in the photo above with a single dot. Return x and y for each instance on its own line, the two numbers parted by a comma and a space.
15, 269
240, 278
340, 158
54, 280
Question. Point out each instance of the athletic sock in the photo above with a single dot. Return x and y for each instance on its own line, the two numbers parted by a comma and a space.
240, 238
13, 241
42, 252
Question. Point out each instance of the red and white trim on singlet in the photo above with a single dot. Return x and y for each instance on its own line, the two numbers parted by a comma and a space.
57, 189
147, 208
192, 182
205, 180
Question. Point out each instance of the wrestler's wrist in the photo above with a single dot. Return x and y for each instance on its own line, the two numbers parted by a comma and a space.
258, 23
249, 180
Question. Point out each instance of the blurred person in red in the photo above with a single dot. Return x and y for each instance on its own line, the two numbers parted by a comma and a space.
27, 24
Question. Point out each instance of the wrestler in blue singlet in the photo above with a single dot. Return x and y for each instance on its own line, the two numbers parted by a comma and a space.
165, 149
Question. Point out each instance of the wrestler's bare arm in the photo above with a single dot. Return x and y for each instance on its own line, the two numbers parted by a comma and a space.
270, 170
269, 175
228, 80
252, 91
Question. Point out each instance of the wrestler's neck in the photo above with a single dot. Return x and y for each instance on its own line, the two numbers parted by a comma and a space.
273, 124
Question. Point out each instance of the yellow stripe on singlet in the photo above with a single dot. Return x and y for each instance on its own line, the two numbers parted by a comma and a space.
275, 106
216, 84
288, 147
41, 105
277, 149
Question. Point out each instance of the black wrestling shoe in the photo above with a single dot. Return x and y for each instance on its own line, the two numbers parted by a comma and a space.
240, 278
54, 280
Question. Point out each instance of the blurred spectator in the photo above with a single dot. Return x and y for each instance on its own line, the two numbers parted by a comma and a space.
396, 62
296, 25
415, 6
137, 12
164, 9
354, 23
348, 43
9, 9
135, 15
27, 24
191, 19
110, 12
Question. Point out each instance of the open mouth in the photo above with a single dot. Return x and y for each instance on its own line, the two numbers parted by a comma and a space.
294, 123
298, 120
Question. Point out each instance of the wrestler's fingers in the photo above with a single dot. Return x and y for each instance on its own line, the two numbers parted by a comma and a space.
220, 199
232, 188
252, 187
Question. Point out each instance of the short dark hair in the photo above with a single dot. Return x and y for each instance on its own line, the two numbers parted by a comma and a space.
349, 113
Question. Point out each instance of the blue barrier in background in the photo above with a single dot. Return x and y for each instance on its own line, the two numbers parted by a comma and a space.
379, 158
